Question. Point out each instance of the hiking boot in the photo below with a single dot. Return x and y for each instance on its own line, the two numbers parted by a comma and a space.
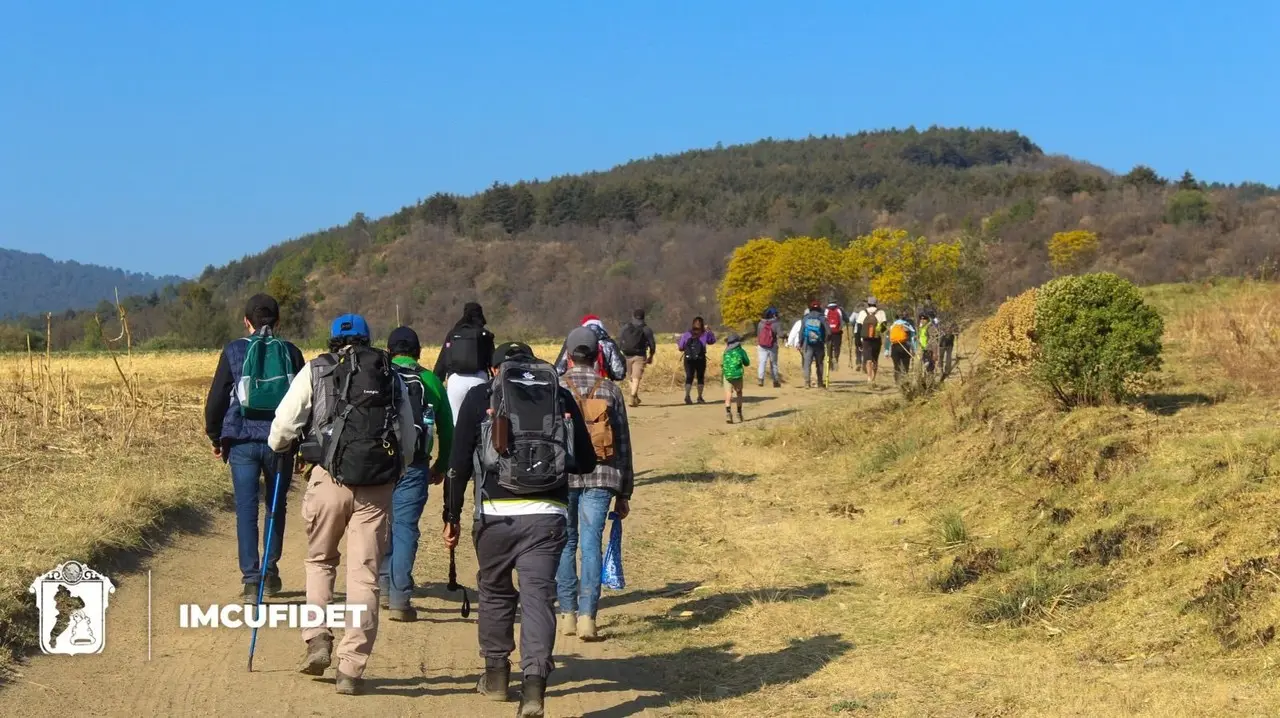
777, 385
701, 400
384, 600
687, 400
319, 655
568, 624
273, 587
249, 592
634, 402
349, 685
728, 416
495, 682
760, 382
740, 419
532, 696
403, 615
587, 629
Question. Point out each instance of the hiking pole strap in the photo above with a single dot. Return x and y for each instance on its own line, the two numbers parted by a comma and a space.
454, 586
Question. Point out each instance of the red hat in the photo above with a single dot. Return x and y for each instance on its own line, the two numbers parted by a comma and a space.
589, 318
813, 304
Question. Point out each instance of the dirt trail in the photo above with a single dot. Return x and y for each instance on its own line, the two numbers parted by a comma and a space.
429, 667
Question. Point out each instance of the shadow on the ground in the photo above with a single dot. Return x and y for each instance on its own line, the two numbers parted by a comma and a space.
714, 673
417, 686
699, 477
671, 590
1170, 404
710, 609
772, 415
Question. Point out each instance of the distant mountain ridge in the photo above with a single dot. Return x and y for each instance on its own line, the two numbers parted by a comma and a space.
33, 284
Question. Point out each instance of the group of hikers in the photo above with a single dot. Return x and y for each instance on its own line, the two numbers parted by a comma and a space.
818, 335
547, 446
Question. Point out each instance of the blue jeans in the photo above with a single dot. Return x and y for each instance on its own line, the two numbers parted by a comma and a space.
588, 509
251, 462
407, 502
766, 355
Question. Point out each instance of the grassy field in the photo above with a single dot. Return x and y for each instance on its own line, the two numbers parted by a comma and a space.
982, 554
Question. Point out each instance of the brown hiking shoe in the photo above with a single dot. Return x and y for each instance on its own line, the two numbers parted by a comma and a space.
403, 615
319, 656
587, 629
495, 682
349, 685
567, 624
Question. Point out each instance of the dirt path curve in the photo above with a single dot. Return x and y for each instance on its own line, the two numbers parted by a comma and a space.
426, 668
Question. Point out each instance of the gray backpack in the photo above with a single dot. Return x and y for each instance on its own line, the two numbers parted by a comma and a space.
526, 439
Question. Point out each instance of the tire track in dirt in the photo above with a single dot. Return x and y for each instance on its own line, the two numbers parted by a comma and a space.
428, 667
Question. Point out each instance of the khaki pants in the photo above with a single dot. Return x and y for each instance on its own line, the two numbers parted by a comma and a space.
635, 370
361, 513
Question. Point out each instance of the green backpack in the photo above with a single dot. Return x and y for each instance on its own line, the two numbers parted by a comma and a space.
266, 374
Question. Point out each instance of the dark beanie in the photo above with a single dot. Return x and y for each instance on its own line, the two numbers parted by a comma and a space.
262, 310
404, 341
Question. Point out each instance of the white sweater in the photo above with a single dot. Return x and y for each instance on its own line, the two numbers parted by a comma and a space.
294, 413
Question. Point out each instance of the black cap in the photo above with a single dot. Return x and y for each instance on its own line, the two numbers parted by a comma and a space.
511, 350
404, 341
262, 310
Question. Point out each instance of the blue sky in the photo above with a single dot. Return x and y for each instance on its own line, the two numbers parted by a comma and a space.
162, 136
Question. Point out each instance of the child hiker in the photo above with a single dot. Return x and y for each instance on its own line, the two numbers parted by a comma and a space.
733, 367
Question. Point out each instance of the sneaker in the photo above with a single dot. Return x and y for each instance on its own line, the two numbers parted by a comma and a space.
687, 400
495, 682
728, 416
777, 385
740, 419
587, 629
319, 655
532, 697
249, 592
567, 624
760, 383
403, 615
349, 685
701, 400
273, 587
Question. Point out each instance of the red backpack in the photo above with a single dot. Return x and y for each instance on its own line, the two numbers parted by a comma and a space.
834, 320
765, 337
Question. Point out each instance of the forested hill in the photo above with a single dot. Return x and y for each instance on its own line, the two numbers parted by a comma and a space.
34, 283
657, 232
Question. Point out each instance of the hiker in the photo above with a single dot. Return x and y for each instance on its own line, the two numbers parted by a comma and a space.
465, 355
793, 337
945, 336
813, 339
611, 364
855, 342
929, 310
732, 368
693, 345
902, 336
871, 324
361, 435
928, 347
241, 403
434, 417
520, 512
611, 481
768, 332
638, 346
835, 332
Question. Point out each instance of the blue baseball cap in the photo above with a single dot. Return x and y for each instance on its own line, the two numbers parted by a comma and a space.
349, 325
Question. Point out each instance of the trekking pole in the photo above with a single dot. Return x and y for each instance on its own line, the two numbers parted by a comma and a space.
266, 558
455, 586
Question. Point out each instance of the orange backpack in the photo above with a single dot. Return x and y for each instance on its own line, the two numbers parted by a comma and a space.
898, 334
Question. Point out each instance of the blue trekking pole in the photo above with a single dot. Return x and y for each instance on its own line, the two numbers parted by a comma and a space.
266, 558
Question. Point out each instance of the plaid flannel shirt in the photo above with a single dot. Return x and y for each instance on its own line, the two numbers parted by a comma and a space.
618, 475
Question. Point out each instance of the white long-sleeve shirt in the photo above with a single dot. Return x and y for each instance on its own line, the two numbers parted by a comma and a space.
793, 338
294, 413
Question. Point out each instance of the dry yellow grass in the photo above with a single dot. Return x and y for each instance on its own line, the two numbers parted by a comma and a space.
1101, 559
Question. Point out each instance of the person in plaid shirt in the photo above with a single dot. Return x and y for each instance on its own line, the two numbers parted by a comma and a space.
590, 494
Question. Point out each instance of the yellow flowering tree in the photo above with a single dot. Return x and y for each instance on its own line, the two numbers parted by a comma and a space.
1072, 251
745, 291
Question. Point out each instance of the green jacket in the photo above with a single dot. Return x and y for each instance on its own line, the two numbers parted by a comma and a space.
734, 361
438, 400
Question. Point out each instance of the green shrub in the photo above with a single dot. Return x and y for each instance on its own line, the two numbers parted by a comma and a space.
1096, 338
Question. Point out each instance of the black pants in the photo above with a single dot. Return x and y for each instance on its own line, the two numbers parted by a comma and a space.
871, 351
833, 350
695, 368
947, 347
901, 361
530, 545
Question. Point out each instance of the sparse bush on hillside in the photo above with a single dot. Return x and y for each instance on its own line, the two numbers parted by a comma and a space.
1007, 340
1096, 336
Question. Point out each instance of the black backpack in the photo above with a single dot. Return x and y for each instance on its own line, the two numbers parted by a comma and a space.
526, 439
412, 376
631, 341
463, 348
694, 349
355, 418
